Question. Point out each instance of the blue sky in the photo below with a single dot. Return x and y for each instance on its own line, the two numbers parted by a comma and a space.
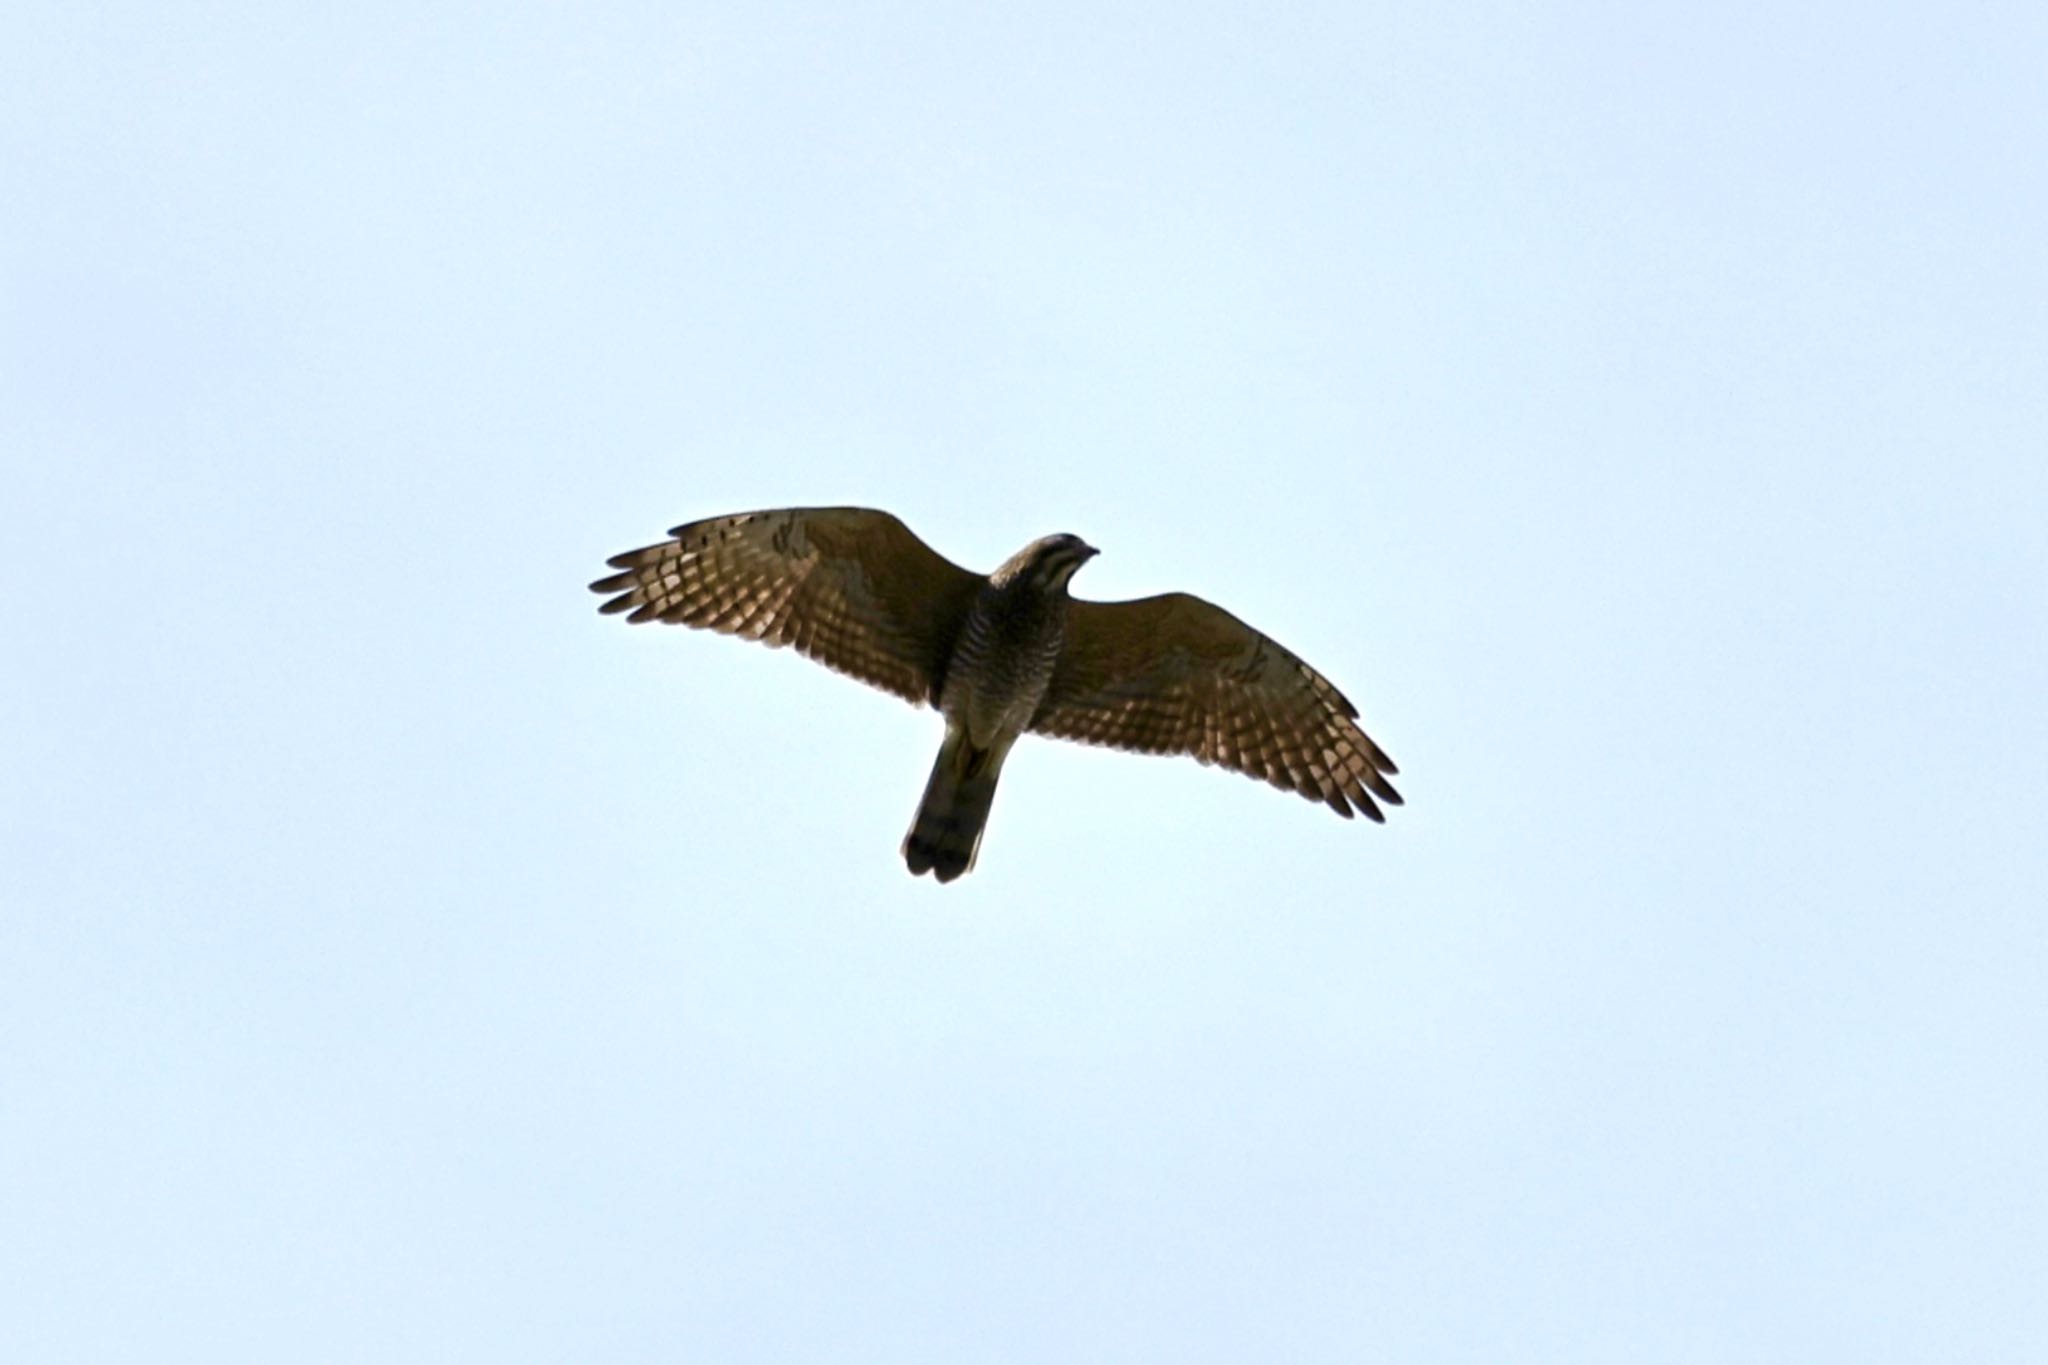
1637, 410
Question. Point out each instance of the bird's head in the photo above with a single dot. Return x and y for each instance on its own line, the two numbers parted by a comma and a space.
1047, 563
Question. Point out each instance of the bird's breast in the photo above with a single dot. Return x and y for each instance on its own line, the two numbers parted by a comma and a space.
1000, 669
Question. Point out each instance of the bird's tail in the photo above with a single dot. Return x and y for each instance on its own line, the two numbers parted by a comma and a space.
946, 831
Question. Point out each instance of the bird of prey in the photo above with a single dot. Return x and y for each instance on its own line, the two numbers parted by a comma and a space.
1006, 654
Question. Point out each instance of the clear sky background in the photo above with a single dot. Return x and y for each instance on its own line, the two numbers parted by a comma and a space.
1637, 409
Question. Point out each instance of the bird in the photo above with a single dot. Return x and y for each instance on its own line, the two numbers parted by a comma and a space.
1006, 654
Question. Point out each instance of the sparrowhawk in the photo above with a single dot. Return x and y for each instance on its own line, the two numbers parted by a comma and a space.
1006, 654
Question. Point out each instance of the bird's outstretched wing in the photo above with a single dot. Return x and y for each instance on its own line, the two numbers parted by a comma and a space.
851, 587
1177, 675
